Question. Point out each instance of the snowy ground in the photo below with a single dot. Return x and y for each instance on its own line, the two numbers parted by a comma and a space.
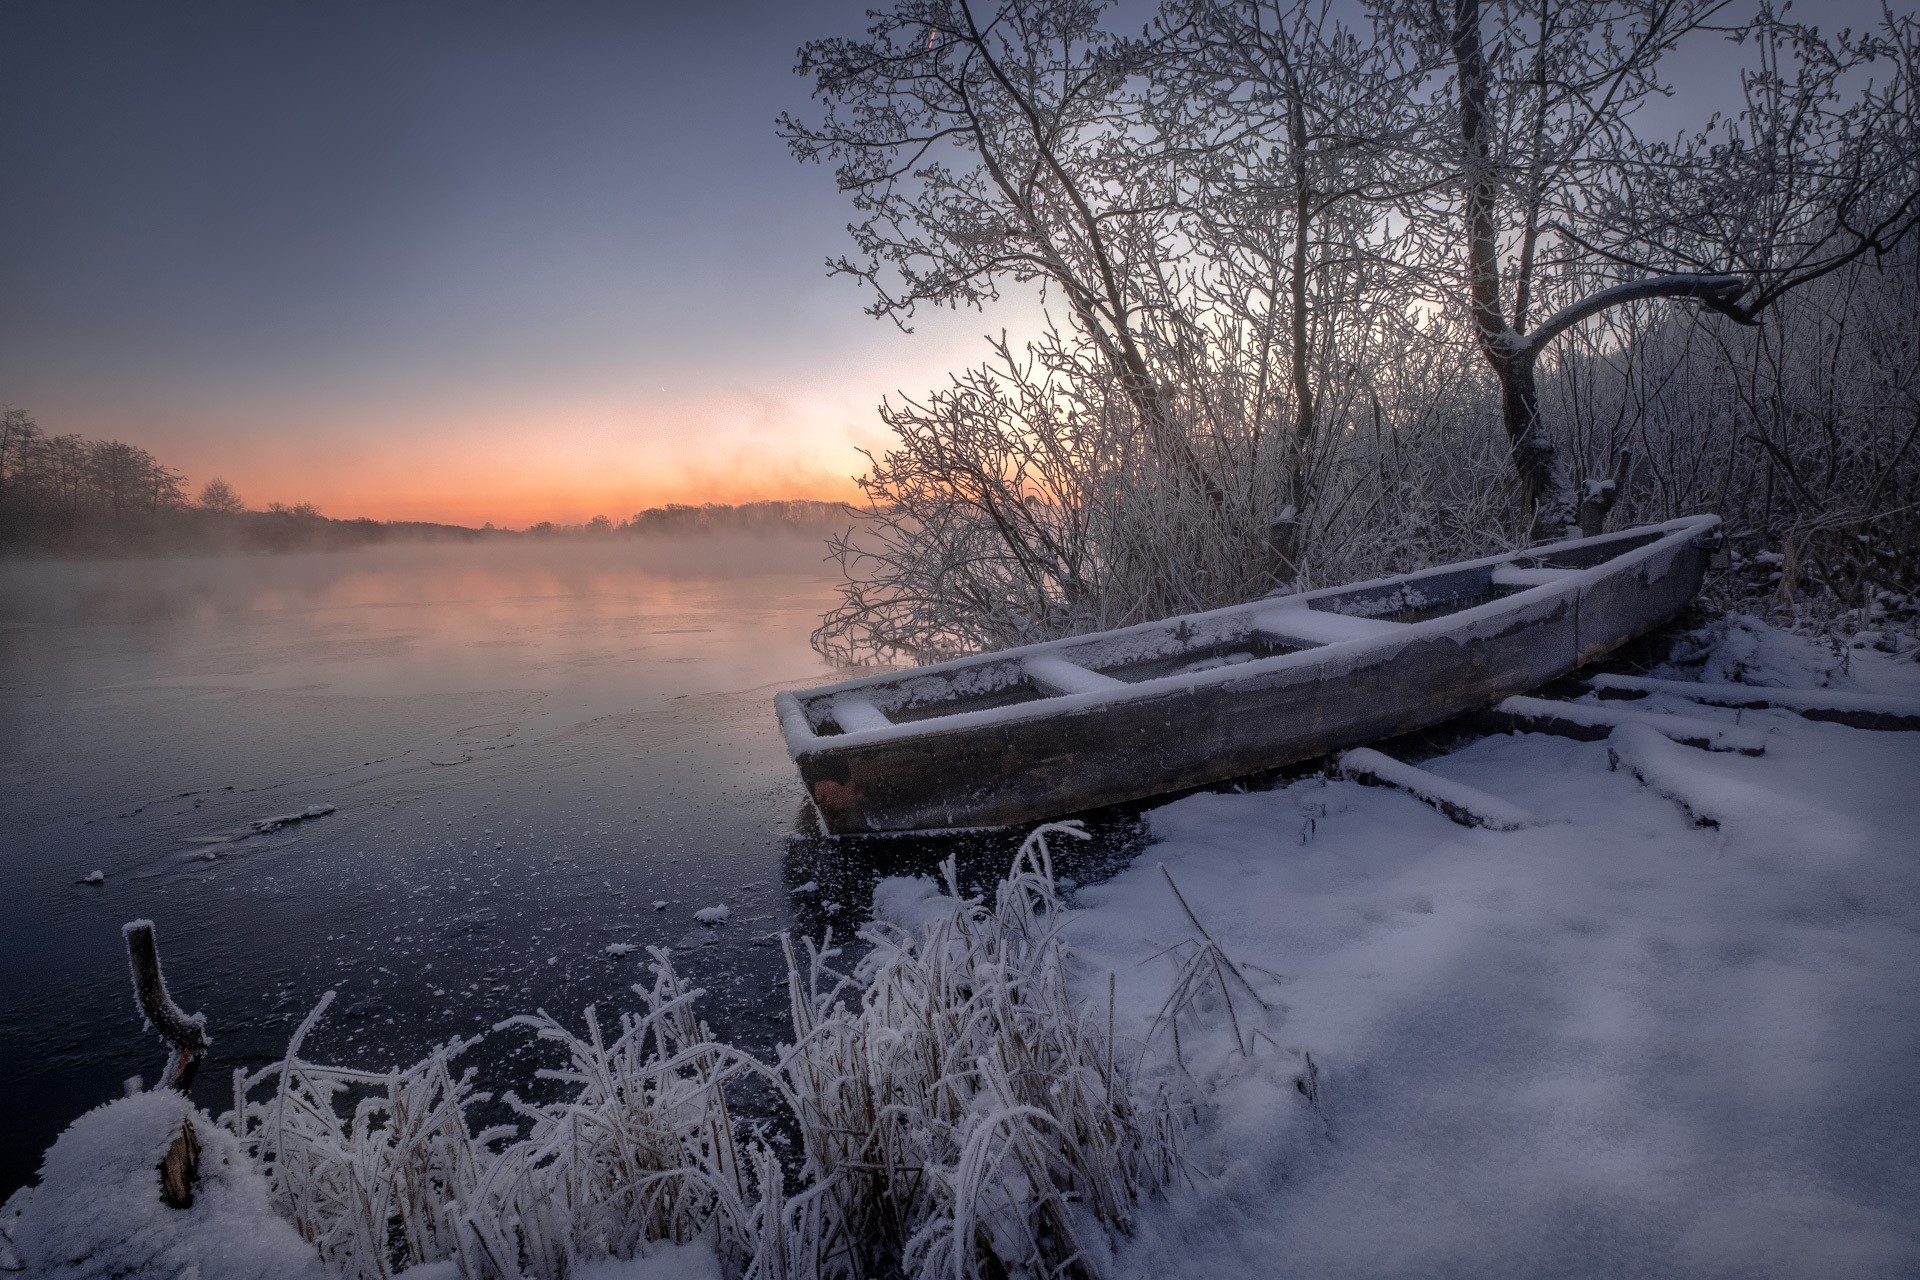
1617, 1042
1614, 1044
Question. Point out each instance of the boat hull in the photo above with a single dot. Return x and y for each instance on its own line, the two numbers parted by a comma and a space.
1077, 753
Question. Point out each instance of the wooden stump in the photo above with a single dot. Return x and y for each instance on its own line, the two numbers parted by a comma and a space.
180, 1169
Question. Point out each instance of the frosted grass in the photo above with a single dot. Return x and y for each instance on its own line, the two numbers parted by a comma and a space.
947, 1108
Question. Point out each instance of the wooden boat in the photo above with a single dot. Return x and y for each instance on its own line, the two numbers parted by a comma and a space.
1053, 728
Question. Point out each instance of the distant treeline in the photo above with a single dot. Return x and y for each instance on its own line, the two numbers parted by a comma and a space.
67, 495
799, 515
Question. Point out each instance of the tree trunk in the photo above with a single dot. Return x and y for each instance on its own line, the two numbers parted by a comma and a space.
1546, 491
1286, 534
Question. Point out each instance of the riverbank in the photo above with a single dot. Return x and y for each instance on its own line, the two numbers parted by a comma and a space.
1667, 1028
1618, 1042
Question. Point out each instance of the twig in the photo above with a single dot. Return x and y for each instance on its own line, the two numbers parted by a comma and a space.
185, 1033
1225, 959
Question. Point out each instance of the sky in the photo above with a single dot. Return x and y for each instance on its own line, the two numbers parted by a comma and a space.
464, 262
473, 261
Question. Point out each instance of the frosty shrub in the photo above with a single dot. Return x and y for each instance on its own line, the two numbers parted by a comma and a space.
956, 1112
1346, 290
1022, 502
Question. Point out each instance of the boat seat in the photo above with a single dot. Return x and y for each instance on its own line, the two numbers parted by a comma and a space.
1316, 626
854, 712
1513, 575
1062, 676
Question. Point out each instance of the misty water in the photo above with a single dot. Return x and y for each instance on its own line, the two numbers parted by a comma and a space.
526, 747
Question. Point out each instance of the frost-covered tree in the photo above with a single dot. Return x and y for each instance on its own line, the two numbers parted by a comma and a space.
1330, 290
986, 146
18, 434
1294, 136
1562, 203
217, 495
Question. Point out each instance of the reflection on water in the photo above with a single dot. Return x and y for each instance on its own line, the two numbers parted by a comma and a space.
533, 754
527, 748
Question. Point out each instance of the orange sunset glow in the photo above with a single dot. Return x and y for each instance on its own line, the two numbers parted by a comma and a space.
533, 448
516, 467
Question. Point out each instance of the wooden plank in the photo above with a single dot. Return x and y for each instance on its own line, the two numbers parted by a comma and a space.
1513, 575
854, 712
1590, 724
1859, 710
1062, 676
1468, 806
1317, 626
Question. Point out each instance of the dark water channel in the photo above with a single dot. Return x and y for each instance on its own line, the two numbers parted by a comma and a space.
532, 754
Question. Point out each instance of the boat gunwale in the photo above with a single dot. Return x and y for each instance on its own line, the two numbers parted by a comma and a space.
801, 739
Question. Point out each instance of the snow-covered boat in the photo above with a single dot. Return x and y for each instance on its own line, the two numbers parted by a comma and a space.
1046, 729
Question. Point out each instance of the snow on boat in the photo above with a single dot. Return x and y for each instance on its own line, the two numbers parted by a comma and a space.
1046, 729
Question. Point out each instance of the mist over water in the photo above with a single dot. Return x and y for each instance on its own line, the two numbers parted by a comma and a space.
527, 747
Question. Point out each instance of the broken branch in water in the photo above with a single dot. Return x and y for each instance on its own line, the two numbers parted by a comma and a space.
185, 1033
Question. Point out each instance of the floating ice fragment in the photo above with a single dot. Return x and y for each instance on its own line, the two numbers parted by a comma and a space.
811, 886
660, 904
713, 915
94, 877
619, 948
287, 819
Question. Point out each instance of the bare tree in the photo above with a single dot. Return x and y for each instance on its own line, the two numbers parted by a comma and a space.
217, 495
1329, 294
18, 433
992, 146
1558, 193
1293, 137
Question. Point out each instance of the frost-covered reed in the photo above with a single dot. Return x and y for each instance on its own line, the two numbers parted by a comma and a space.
948, 1108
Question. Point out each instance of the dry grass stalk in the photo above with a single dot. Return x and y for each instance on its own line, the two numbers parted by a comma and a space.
959, 1113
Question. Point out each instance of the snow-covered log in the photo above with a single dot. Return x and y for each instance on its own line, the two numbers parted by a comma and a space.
1590, 724
1860, 710
1668, 771
1468, 806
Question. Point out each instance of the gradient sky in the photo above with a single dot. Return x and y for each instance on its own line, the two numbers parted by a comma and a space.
457, 261
474, 260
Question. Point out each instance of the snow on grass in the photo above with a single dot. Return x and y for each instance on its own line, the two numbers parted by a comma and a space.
97, 1210
909, 902
1615, 1044
955, 1109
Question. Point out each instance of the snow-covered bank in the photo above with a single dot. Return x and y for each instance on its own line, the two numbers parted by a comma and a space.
1670, 1027
96, 1212
1618, 1043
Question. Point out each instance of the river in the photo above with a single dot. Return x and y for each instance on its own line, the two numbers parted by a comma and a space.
532, 753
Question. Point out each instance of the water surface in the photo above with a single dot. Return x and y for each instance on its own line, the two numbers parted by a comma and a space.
527, 748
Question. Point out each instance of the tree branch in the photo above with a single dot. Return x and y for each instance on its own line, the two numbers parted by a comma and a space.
1716, 291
